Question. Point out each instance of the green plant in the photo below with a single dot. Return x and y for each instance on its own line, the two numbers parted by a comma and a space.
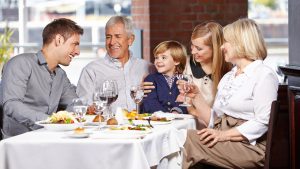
268, 3
6, 47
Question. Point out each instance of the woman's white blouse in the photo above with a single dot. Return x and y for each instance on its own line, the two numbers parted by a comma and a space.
247, 96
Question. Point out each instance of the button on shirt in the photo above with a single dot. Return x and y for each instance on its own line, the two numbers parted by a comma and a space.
247, 96
107, 68
30, 92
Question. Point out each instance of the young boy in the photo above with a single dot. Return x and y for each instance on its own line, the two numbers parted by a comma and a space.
170, 59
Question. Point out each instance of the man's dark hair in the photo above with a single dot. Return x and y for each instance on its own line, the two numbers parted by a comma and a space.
64, 27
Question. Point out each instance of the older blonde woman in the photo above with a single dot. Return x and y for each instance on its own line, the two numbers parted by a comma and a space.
238, 121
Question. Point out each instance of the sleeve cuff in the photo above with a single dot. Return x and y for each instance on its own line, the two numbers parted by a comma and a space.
177, 109
212, 119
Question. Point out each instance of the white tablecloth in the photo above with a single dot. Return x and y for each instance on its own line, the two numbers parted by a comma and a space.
43, 149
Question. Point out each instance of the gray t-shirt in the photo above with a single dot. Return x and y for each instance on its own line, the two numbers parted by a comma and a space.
29, 92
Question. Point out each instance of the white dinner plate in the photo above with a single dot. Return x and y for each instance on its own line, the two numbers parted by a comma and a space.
57, 127
145, 122
173, 115
127, 132
103, 135
94, 123
89, 118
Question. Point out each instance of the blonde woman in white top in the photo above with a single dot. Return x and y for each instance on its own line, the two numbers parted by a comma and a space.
238, 120
207, 64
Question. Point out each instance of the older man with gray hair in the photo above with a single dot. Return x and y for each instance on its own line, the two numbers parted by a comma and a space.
119, 64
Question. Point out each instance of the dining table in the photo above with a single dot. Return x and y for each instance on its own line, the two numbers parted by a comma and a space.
161, 148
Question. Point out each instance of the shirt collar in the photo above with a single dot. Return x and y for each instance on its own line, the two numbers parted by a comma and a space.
115, 62
42, 61
197, 70
41, 58
250, 69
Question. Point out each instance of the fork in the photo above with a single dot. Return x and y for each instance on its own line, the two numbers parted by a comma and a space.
148, 119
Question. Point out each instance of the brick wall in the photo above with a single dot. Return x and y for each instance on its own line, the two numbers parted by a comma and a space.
175, 19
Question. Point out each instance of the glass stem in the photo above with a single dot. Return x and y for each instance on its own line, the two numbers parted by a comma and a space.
184, 97
137, 108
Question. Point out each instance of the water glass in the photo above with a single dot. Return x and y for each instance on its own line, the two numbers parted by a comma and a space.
137, 94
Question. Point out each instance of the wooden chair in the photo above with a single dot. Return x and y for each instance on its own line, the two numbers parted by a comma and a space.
270, 134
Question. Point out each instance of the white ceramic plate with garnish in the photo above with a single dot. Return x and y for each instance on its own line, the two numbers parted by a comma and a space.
57, 127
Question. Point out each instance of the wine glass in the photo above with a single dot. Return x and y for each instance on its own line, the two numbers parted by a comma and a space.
137, 94
110, 90
80, 108
188, 79
100, 103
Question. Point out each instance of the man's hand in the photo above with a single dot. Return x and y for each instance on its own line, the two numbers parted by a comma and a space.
148, 86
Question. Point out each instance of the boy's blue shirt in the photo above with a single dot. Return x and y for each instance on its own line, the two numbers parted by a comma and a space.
162, 98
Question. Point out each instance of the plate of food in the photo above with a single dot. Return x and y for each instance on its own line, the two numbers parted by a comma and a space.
60, 121
134, 116
129, 129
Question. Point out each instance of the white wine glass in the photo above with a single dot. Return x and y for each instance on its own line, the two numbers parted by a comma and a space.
137, 94
100, 103
110, 90
188, 79
80, 107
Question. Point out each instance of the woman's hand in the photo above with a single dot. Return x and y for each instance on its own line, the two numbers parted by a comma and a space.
212, 137
148, 86
193, 89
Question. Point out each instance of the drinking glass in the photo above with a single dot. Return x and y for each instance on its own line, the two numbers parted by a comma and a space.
80, 107
110, 91
188, 79
100, 103
137, 94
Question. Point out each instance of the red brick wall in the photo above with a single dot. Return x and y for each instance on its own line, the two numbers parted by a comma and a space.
175, 19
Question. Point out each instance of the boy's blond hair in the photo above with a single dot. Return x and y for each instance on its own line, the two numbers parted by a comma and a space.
177, 51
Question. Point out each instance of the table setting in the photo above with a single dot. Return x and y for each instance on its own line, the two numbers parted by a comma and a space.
92, 137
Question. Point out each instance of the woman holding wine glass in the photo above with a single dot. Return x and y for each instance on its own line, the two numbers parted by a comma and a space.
238, 121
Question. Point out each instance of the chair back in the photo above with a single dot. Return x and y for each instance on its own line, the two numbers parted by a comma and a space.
270, 134
1, 121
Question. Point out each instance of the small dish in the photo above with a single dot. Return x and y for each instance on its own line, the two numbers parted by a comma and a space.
78, 135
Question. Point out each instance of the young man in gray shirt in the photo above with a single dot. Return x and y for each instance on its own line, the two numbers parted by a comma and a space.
33, 84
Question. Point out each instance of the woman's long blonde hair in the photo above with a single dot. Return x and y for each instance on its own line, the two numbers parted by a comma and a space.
213, 37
